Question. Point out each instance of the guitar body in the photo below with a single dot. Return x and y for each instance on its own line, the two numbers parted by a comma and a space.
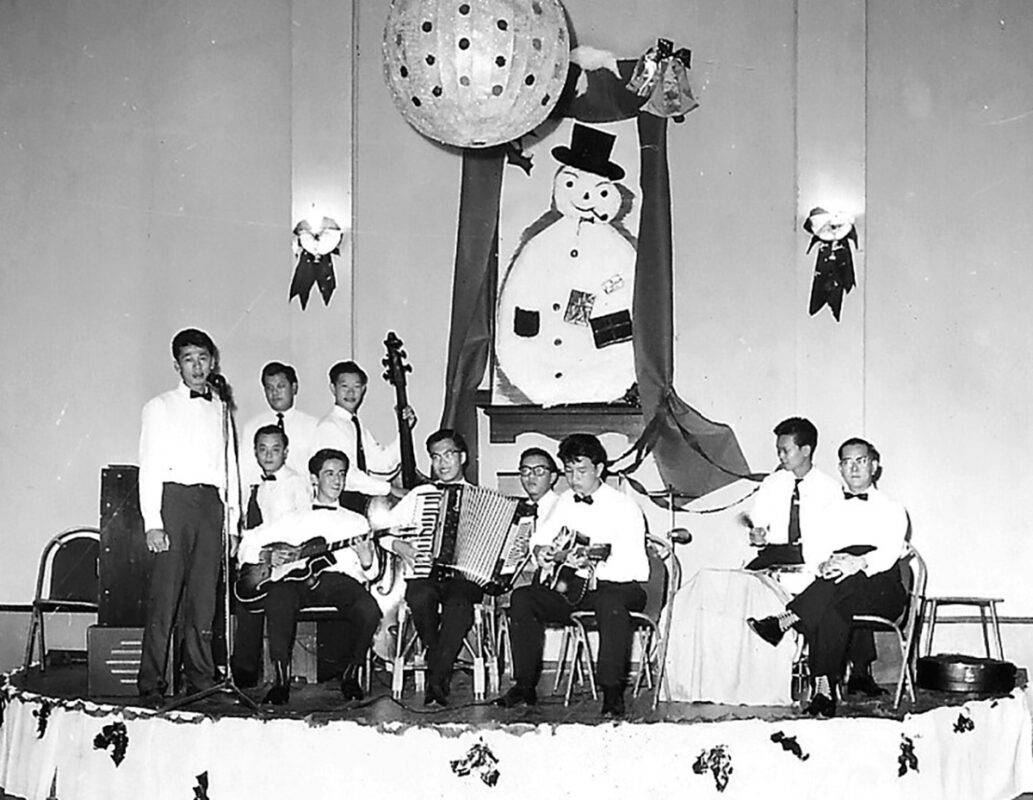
570, 582
307, 561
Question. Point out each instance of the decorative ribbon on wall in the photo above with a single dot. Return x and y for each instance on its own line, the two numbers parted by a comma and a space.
314, 251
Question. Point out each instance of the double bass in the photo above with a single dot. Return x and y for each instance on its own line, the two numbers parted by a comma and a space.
389, 589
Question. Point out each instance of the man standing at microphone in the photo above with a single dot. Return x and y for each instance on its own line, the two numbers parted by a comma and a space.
184, 463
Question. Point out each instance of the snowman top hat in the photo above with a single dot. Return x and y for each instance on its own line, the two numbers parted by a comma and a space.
590, 150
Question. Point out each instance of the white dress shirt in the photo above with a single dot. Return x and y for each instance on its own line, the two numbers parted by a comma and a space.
772, 501
288, 494
878, 521
334, 525
546, 503
181, 441
612, 518
337, 430
301, 432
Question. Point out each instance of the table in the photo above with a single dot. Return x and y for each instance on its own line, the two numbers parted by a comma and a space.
713, 656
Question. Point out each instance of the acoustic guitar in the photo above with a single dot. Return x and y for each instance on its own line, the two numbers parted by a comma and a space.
304, 561
568, 573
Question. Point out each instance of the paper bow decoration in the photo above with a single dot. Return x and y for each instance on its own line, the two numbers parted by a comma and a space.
662, 75
314, 251
834, 267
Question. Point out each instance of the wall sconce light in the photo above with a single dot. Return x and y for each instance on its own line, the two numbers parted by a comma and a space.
314, 248
832, 232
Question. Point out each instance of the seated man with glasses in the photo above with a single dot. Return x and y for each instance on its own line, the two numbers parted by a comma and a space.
538, 474
442, 607
863, 536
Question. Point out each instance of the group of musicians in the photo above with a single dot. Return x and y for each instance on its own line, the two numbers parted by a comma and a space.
188, 465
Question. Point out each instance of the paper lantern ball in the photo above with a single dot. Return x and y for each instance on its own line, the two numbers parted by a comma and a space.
476, 73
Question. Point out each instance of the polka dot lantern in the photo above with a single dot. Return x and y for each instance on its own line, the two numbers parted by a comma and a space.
475, 73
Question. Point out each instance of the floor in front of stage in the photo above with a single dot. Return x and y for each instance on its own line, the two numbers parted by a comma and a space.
323, 701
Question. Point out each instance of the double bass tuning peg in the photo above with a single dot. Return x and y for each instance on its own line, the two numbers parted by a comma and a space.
386, 362
386, 376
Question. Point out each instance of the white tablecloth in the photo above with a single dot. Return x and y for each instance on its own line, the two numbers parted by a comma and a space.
713, 656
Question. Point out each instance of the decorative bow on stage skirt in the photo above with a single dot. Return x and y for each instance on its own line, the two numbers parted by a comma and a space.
834, 267
314, 251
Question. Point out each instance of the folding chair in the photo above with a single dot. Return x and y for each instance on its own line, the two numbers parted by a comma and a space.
68, 567
664, 580
913, 575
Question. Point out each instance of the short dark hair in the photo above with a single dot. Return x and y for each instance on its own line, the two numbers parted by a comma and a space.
343, 367
322, 456
582, 445
873, 454
802, 430
276, 368
448, 433
192, 336
272, 430
538, 451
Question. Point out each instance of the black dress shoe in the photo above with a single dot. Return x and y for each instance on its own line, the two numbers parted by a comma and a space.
152, 699
278, 694
245, 678
821, 705
517, 695
864, 683
767, 629
434, 696
351, 689
613, 701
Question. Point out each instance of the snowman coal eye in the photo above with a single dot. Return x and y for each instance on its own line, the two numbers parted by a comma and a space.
570, 184
604, 193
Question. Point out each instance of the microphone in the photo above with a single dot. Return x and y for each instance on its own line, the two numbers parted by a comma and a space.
218, 383
680, 535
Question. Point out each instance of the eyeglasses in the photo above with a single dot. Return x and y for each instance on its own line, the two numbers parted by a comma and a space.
861, 461
445, 454
538, 471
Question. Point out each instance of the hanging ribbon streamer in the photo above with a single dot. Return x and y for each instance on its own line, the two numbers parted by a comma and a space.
662, 75
314, 251
834, 268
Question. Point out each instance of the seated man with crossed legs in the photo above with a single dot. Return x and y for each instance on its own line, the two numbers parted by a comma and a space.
865, 534
605, 516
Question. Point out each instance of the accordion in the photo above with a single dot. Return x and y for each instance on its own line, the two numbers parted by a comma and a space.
472, 532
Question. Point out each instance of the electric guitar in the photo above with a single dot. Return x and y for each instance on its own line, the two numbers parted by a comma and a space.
569, 573
303, 562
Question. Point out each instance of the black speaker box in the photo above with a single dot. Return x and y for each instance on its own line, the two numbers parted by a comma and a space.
125, 563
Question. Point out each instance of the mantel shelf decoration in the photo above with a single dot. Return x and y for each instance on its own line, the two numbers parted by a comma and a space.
475, 73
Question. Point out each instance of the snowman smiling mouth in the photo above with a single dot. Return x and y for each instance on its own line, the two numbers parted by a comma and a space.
590, 214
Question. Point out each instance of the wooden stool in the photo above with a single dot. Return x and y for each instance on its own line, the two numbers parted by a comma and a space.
984, 604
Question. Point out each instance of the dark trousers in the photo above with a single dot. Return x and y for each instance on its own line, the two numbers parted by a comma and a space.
826, 608
246, 661
532, 607
348, 634
442, 611
182, 588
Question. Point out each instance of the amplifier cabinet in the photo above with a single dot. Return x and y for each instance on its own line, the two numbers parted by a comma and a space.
125, 563
113, 660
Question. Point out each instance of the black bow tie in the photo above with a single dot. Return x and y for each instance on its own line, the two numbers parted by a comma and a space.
861, 496
318, 507
268, 477
203, 395
587, 499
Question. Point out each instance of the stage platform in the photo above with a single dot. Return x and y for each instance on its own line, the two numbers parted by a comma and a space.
55, 744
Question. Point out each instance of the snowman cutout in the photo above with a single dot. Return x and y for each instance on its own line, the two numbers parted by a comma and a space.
564, 327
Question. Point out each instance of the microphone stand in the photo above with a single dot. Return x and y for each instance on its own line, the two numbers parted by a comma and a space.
226, 685
674, 535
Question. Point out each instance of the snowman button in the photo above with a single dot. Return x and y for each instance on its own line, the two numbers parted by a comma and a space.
558, 342
555, 306
573, 253
559, 375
